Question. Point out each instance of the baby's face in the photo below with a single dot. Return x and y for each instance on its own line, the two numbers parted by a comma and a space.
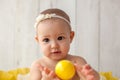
54, 37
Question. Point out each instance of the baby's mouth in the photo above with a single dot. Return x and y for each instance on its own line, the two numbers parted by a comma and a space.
56, 52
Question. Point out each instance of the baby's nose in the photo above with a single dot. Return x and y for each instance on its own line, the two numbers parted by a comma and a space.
54, 44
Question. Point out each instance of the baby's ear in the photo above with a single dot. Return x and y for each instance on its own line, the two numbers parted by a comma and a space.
71, 35
36, 38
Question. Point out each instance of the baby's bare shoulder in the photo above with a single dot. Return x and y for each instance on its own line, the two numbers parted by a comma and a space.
37, 62
35, 73
78, 59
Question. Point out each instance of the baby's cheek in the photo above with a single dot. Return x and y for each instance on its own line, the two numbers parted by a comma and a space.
65, 48
66, 44
45, 50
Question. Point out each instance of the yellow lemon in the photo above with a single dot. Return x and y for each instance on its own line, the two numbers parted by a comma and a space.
65, 69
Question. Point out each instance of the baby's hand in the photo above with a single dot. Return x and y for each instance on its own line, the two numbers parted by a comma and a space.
86, 72
48, 74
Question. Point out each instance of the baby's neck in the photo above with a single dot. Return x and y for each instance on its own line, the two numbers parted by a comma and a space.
48, 60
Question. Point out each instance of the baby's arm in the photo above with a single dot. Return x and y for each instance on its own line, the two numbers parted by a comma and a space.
85, 72
35, 73
48, 74
38, 72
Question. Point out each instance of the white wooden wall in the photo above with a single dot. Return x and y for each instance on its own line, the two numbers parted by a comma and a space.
96, 24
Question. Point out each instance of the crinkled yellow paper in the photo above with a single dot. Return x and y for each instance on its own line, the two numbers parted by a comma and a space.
108, 76
12, 74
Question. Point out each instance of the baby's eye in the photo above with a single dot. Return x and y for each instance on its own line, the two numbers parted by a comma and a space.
60, 38
46, 40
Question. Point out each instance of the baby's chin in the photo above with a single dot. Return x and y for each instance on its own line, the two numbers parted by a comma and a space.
58, 58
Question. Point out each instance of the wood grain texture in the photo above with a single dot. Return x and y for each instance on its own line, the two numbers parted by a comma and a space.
110, 36
87, 30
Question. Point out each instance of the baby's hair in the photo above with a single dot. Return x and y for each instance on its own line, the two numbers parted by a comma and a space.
57, 12
50, 13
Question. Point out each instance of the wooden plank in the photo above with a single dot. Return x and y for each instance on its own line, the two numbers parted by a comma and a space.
6, 34
44, 4
109, 39
87, 31
18, 47
25, 46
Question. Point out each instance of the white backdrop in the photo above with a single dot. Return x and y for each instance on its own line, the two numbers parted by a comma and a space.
96, 24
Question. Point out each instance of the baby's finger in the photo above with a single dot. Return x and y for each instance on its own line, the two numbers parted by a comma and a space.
91, 71
90, 77
57, 79
77, 67
87, 66
87, 72
47, 71
52, 74
87, 69
79, 71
